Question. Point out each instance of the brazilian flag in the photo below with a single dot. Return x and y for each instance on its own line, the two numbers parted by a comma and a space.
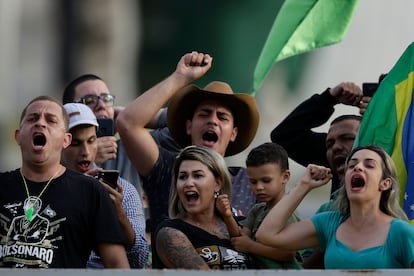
389, 122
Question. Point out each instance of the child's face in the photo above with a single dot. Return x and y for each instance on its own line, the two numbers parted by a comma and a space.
267, 182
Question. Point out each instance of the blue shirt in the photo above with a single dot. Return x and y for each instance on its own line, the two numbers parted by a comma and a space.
132, 204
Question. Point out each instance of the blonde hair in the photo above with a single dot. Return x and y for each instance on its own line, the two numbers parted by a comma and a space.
389, 201
214, 162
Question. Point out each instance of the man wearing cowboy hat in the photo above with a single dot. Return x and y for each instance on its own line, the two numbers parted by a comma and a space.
214, 117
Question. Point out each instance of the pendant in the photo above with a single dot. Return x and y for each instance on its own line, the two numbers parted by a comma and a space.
29, 214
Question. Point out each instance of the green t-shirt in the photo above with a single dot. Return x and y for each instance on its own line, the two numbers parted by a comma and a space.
254, 218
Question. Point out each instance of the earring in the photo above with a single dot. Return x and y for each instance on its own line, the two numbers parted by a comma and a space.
216, 194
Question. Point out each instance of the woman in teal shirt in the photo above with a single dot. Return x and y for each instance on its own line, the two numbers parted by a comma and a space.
367, 230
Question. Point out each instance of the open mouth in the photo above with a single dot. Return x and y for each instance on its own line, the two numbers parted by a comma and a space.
210, 136
39, 140
84, 165
191, 196
339, 161
357, 181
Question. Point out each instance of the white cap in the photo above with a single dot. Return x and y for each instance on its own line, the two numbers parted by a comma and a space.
80, 114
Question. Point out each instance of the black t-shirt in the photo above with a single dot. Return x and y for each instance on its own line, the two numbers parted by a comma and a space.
217, 253
74, 215
297, 136
157, 186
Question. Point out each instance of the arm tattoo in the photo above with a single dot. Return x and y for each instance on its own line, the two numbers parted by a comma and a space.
176, 251
224, 232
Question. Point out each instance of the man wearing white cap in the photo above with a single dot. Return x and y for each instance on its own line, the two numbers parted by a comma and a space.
80, 156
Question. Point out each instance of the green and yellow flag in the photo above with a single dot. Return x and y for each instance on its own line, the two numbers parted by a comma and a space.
388, 122
301, 26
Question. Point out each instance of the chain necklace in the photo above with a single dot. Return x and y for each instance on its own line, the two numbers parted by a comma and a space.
29, 211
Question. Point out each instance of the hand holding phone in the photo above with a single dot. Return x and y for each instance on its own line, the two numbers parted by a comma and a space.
369, 88
106, 127
110, 177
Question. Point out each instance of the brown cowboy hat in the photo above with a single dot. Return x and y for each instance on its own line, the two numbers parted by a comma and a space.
243, 106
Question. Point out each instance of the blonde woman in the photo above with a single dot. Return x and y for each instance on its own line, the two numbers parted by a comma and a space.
196, 236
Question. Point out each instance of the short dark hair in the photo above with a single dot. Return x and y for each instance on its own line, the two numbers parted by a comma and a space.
268, 153
50, 99
381, 77
69, 91
346, 117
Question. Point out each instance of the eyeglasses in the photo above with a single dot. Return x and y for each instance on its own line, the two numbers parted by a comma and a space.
93, 100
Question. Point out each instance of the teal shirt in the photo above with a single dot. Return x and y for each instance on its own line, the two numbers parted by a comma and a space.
328, 206
397, 252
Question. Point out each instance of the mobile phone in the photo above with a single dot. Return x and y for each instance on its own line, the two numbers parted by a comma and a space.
369, 88
110, 177
105, 128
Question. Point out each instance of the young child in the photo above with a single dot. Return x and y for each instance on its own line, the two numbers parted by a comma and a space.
268, 171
